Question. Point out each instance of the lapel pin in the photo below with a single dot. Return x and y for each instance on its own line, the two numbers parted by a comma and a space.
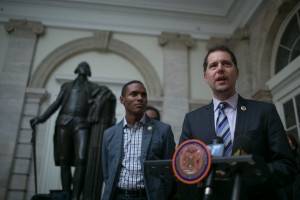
243, 108
149, 128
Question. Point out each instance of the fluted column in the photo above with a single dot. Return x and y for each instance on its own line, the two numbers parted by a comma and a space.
13, 82
175, 79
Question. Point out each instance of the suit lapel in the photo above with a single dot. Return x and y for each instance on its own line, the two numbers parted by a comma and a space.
147, 135
211, 115
240, 116
119, 139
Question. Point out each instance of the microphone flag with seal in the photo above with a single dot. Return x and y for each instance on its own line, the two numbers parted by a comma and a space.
191, 161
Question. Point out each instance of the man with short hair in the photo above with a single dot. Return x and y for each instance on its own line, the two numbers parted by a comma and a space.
228, 116
128, 144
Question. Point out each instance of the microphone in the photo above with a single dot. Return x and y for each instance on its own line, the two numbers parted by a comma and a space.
216, 149
242, 145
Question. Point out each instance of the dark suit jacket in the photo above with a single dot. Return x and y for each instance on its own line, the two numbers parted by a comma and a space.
260, 121
157, 144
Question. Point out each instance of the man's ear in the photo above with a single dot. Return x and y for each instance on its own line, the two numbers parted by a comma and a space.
237, 71
205, 77
122, 100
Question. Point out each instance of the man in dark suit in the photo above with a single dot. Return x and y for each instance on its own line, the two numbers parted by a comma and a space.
257, 120
128, 144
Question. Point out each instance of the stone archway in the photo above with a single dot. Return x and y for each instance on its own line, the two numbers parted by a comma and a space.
101, 41
270, 24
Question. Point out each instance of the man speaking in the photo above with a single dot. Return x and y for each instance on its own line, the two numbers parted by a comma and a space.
229, 116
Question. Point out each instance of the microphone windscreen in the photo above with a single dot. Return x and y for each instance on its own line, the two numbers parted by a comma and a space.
242, 145
216, 148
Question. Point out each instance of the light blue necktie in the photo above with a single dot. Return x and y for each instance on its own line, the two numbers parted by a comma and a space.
223, 129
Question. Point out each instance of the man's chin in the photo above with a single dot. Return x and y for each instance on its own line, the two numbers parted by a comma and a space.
222, 90
140, 112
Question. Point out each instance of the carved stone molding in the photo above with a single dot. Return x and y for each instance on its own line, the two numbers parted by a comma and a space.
101, 41
35, 95
167, 38
240, 34
24, 27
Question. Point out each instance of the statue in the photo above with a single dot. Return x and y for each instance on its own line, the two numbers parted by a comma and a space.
86, 110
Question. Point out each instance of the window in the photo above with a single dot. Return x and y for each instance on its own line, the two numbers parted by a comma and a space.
289, 45
284, 83
291, 111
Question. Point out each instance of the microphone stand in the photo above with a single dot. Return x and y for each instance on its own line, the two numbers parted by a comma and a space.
211, 175
209, 183
236, 187
237, 182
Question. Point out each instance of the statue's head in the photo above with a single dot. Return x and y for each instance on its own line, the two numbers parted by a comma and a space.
83, 68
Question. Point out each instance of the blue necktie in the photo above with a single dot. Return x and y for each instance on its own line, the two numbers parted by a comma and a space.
223, 129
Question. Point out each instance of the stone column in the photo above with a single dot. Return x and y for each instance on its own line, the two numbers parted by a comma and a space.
175, 79
239, 41
13, 83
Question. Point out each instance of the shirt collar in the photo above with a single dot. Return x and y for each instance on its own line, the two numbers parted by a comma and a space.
232, 101
142, 121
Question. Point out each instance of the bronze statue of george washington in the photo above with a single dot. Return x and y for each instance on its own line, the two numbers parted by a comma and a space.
86, 110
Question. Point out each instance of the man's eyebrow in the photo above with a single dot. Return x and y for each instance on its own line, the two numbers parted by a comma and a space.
227, 60
133, 91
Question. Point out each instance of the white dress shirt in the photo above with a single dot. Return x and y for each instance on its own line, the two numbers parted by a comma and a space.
229, 110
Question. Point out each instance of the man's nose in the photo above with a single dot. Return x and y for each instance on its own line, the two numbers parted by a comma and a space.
220, 67
140, 97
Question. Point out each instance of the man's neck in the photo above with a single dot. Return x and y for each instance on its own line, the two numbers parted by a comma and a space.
132, 119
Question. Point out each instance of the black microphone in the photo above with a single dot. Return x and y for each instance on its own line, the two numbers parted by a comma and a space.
242, 145
216, 149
